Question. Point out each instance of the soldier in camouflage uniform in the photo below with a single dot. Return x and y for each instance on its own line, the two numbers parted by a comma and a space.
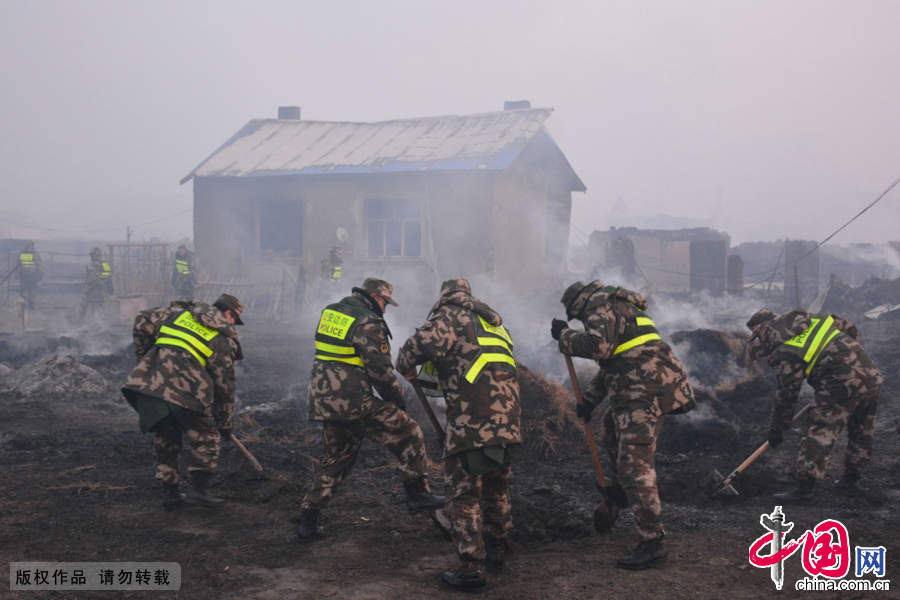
97, 284
330, 274
466, 343
184, 386
184, 274
643, 380
31, 271
825, 351
353, 356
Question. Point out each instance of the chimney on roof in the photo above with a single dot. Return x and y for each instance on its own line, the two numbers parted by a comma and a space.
516, 104
288, 113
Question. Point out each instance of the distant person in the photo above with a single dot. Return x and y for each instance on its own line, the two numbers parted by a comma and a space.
644, 381
330, 273
465, 341
825, 351
353, 360
184, 386
97, 284
184, 274
31, 272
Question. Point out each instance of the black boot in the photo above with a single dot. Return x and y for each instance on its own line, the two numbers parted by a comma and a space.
647, 554
495, 550
419, 499
804, 492
848, 485
198, 494
309, 525
465, 581
172, 498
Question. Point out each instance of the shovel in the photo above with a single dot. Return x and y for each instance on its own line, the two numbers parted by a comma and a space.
428, 410
606, 512
714, 483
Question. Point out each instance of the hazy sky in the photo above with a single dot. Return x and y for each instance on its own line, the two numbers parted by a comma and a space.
765, 119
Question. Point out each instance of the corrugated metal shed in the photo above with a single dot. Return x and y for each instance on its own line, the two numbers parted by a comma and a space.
489, 141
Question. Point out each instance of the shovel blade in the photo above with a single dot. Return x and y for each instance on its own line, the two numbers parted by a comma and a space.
712, 482
605, 515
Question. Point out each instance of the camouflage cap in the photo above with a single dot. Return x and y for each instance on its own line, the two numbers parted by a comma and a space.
455, 285
572, 292
380, 287
763, 315
229, 302
96, 252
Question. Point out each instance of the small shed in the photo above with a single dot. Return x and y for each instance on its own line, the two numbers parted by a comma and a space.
684, 260
415, 201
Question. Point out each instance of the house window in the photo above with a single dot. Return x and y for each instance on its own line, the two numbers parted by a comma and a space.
280, 227
394, 228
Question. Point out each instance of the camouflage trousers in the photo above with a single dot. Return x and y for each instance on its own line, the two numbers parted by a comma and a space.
28, 291
184, 292
479, 506
389, 427
822, 426
203, 440
629, 434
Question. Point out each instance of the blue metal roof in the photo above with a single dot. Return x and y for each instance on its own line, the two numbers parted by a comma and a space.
266, 147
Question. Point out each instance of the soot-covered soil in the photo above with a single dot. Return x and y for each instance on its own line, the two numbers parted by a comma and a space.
76, 484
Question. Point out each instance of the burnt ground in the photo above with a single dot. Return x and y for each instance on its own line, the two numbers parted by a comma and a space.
76, 484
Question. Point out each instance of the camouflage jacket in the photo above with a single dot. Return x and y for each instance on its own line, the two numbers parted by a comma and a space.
649, 372
339, 391
95, 284
174, 374
31, 270
479, 414
841, 370
181, 280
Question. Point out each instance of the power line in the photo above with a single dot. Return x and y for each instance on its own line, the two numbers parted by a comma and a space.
97, 230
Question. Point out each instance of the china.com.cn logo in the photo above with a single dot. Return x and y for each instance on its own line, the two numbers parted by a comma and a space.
826, 554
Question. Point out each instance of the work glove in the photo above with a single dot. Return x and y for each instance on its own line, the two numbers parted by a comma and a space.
775, 438
226, 435
584, 411
557, 327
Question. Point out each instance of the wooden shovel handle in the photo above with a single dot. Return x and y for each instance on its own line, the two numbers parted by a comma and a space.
760, 450
588, 433
246, 453
428, 410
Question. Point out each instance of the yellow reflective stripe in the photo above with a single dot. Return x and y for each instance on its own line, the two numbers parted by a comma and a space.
643, 339
813, 347
182, 267
645, 322
822, 347
180, 344
492, 341
350, 361
498, 330
186, 321
27, 260
105, 272
483, 360
188, 338
335, 349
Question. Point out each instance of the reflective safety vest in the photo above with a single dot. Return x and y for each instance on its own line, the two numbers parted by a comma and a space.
496, 350
429, 380
646, 332
334, 337
186, 333
335, 273
182, 267
106, 270
809, 344
26, 259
